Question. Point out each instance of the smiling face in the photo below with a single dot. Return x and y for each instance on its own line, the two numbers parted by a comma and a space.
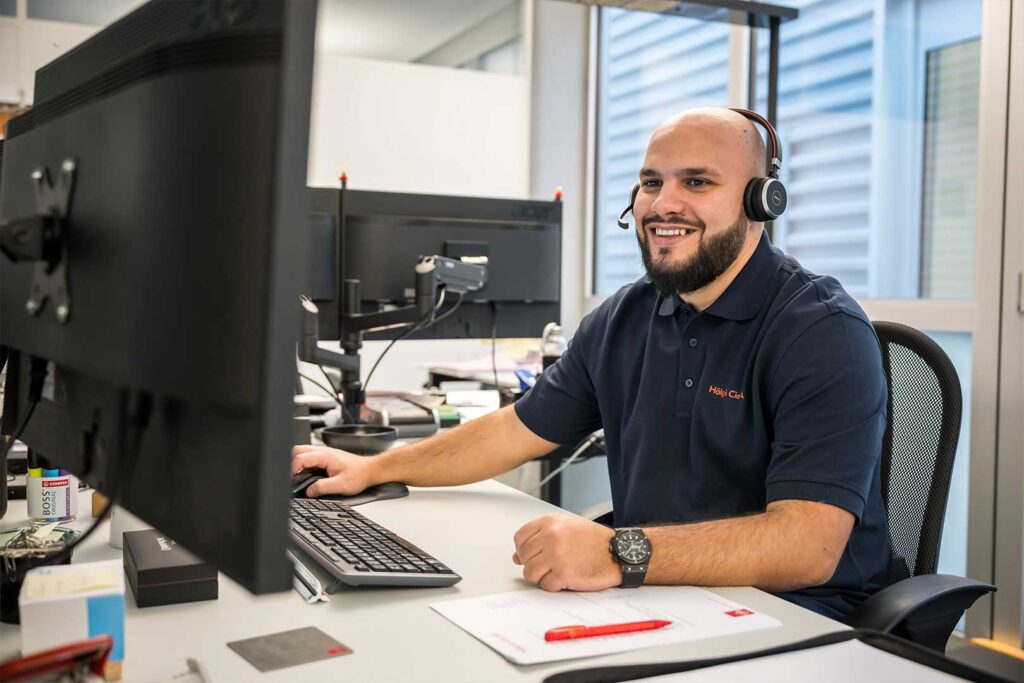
689, 211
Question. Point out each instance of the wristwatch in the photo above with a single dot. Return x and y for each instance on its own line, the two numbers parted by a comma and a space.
632, 550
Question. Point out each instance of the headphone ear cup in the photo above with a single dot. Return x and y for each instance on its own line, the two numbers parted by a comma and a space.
764, 199
751, 200
774, 198
625, 212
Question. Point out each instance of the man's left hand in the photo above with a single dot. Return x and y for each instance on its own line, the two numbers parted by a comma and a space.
562, 552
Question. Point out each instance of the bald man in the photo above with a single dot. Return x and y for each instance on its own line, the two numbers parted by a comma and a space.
742, 399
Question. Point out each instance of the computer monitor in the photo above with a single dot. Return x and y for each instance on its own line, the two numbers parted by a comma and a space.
176, 141
377, 237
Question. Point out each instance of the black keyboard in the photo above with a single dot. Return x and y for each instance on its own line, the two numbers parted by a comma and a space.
360, 552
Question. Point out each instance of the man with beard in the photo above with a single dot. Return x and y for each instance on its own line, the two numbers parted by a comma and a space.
742, 399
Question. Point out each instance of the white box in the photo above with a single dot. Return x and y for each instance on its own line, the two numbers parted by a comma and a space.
69, 603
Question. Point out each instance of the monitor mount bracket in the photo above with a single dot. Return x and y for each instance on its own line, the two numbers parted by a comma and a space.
41, 239
431, 272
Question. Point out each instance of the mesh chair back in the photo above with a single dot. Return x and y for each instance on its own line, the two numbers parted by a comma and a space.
918, 447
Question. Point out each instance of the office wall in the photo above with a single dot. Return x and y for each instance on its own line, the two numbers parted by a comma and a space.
418, 128
407, 127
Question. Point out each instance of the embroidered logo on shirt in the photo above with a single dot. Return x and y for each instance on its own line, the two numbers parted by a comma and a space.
725, 393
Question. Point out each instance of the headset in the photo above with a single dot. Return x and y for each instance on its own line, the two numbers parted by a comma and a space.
764, 198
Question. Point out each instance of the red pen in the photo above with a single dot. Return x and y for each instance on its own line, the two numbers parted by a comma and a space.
580, 631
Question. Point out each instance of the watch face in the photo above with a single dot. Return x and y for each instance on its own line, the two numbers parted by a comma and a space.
632, 547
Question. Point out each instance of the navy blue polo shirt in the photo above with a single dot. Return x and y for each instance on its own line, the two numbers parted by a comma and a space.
774, 392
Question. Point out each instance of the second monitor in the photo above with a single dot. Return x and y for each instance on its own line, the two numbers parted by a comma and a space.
377, 238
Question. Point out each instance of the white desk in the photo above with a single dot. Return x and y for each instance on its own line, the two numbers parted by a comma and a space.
394, 634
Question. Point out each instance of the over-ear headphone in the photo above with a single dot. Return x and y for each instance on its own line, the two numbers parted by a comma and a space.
764, 198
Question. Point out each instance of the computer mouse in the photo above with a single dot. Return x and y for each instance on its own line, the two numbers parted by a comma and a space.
301, 481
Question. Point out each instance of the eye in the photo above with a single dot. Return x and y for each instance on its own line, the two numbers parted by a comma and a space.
697, 182
650, 182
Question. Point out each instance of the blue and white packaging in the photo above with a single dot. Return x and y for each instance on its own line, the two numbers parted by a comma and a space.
66, 604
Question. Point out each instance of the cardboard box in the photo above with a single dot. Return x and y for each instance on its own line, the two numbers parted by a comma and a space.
69, 603
161, 572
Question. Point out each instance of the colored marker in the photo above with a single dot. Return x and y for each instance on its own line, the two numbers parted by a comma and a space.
51, 473
580, 631
35, 472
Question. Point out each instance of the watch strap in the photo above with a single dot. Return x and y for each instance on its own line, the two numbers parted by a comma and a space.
632, 575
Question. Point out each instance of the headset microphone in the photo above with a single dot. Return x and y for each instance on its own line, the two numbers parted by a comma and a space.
625, 212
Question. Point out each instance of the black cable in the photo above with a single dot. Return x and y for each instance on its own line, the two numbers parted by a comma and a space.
334, 393
18, 432
137, 422
317, 383
419, 325
451, 310
494, 345
37, 376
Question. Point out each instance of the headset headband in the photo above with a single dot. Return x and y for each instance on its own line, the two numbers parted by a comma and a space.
775, 160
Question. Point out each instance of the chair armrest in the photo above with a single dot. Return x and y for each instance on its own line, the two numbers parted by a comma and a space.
600, 513
923, 608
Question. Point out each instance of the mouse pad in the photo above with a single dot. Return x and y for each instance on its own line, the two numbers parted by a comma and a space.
288, 648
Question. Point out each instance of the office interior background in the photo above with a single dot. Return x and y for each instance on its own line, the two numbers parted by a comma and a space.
902, 123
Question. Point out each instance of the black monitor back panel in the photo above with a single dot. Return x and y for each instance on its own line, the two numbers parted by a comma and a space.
382, 234
182, 251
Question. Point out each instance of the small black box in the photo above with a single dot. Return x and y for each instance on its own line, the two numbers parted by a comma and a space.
161, 572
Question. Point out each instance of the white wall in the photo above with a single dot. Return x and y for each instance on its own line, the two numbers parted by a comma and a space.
418, 128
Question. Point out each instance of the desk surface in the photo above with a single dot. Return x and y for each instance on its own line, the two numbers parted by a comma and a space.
393, 633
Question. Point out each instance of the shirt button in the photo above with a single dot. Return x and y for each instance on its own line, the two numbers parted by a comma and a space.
688, 383
693, 342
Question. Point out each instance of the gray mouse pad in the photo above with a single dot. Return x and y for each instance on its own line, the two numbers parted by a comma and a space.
288, 648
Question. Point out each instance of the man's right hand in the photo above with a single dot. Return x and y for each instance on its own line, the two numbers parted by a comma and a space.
347, 473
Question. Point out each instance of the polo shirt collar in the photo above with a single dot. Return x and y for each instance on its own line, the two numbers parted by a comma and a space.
744, 296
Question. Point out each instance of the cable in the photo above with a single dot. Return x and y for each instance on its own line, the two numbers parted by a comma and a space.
18, 432
590, 441
317, 383
37, 376
494, 345
334, 392
451, 310
137, 421
419, 325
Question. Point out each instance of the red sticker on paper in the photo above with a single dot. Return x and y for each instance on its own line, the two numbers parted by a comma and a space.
739, 612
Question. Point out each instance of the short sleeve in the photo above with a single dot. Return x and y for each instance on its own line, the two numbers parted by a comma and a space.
829, 397
562, 407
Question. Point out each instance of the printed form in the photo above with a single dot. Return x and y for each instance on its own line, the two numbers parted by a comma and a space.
514, 624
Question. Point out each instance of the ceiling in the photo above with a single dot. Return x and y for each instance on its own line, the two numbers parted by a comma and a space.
398, 30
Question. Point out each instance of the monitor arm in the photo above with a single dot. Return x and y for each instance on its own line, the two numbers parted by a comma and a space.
431, 272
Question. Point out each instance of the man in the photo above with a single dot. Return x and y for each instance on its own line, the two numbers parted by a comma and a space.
742, 399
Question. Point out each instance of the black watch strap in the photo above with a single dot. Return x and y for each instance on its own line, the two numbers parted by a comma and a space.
632, 575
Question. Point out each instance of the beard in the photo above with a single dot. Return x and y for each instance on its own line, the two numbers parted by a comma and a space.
714, 255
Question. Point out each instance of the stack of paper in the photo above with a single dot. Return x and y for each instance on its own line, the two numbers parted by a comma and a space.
514, 624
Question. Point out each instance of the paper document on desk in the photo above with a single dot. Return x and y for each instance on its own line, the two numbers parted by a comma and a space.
514, 624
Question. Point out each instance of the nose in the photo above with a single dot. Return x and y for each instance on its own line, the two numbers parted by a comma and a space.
669, 201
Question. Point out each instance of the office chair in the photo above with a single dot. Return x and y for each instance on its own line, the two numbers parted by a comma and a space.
918, 447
